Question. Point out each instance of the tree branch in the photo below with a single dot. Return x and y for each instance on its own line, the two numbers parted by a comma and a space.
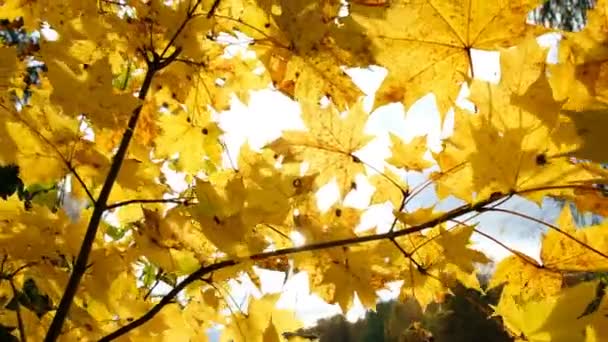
20, 324
184, 201
100, 205
204, 270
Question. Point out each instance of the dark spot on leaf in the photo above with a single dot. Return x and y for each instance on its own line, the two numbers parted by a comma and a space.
338, 212
267, 25
353, 186
188, 120
297, 183
216, 220
541, 159
297, 74
85, 66
205, 131
496, 195
421, 269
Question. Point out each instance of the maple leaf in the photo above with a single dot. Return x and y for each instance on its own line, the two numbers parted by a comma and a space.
301, 47
409, 156
329, 145
193, 136
574, 249
439, 37
79, 129
262, 322
525, 279
552, 318
511, 140
529, 58
98, 99
389, 187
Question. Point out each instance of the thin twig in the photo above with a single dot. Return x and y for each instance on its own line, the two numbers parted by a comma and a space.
554, 227
405, 195
18, 312
183, 201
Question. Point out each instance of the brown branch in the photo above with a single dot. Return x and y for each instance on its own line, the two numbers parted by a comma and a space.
214, 7
20, 324
204, 270
179, 30
184, 201
405, 194
100, 205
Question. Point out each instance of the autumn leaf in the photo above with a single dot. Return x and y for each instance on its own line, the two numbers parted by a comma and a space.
439, 38
574, 249
262, 323
181, 132
301, 46
409, 156
329, 145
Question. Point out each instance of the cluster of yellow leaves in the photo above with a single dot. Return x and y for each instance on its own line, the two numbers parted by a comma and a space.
538, 132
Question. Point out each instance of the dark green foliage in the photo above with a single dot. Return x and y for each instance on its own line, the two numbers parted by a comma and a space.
10, 181
5, 334
568, 15
31, 298
463, 316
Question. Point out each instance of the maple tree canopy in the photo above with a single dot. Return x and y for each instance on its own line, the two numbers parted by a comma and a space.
129, 87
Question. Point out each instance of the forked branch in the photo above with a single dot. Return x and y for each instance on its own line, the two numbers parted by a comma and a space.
205, 270
452, 215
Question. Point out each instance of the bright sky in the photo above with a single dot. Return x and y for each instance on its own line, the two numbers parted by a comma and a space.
269, 112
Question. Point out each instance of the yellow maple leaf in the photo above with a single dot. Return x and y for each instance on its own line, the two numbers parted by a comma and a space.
575, 249
528, 58
525, 279
193, 136
104, 105
506, 146
551, 318
301, 46
409, 156
329, 145
438, 37
262, 323
389, 187
583, 131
